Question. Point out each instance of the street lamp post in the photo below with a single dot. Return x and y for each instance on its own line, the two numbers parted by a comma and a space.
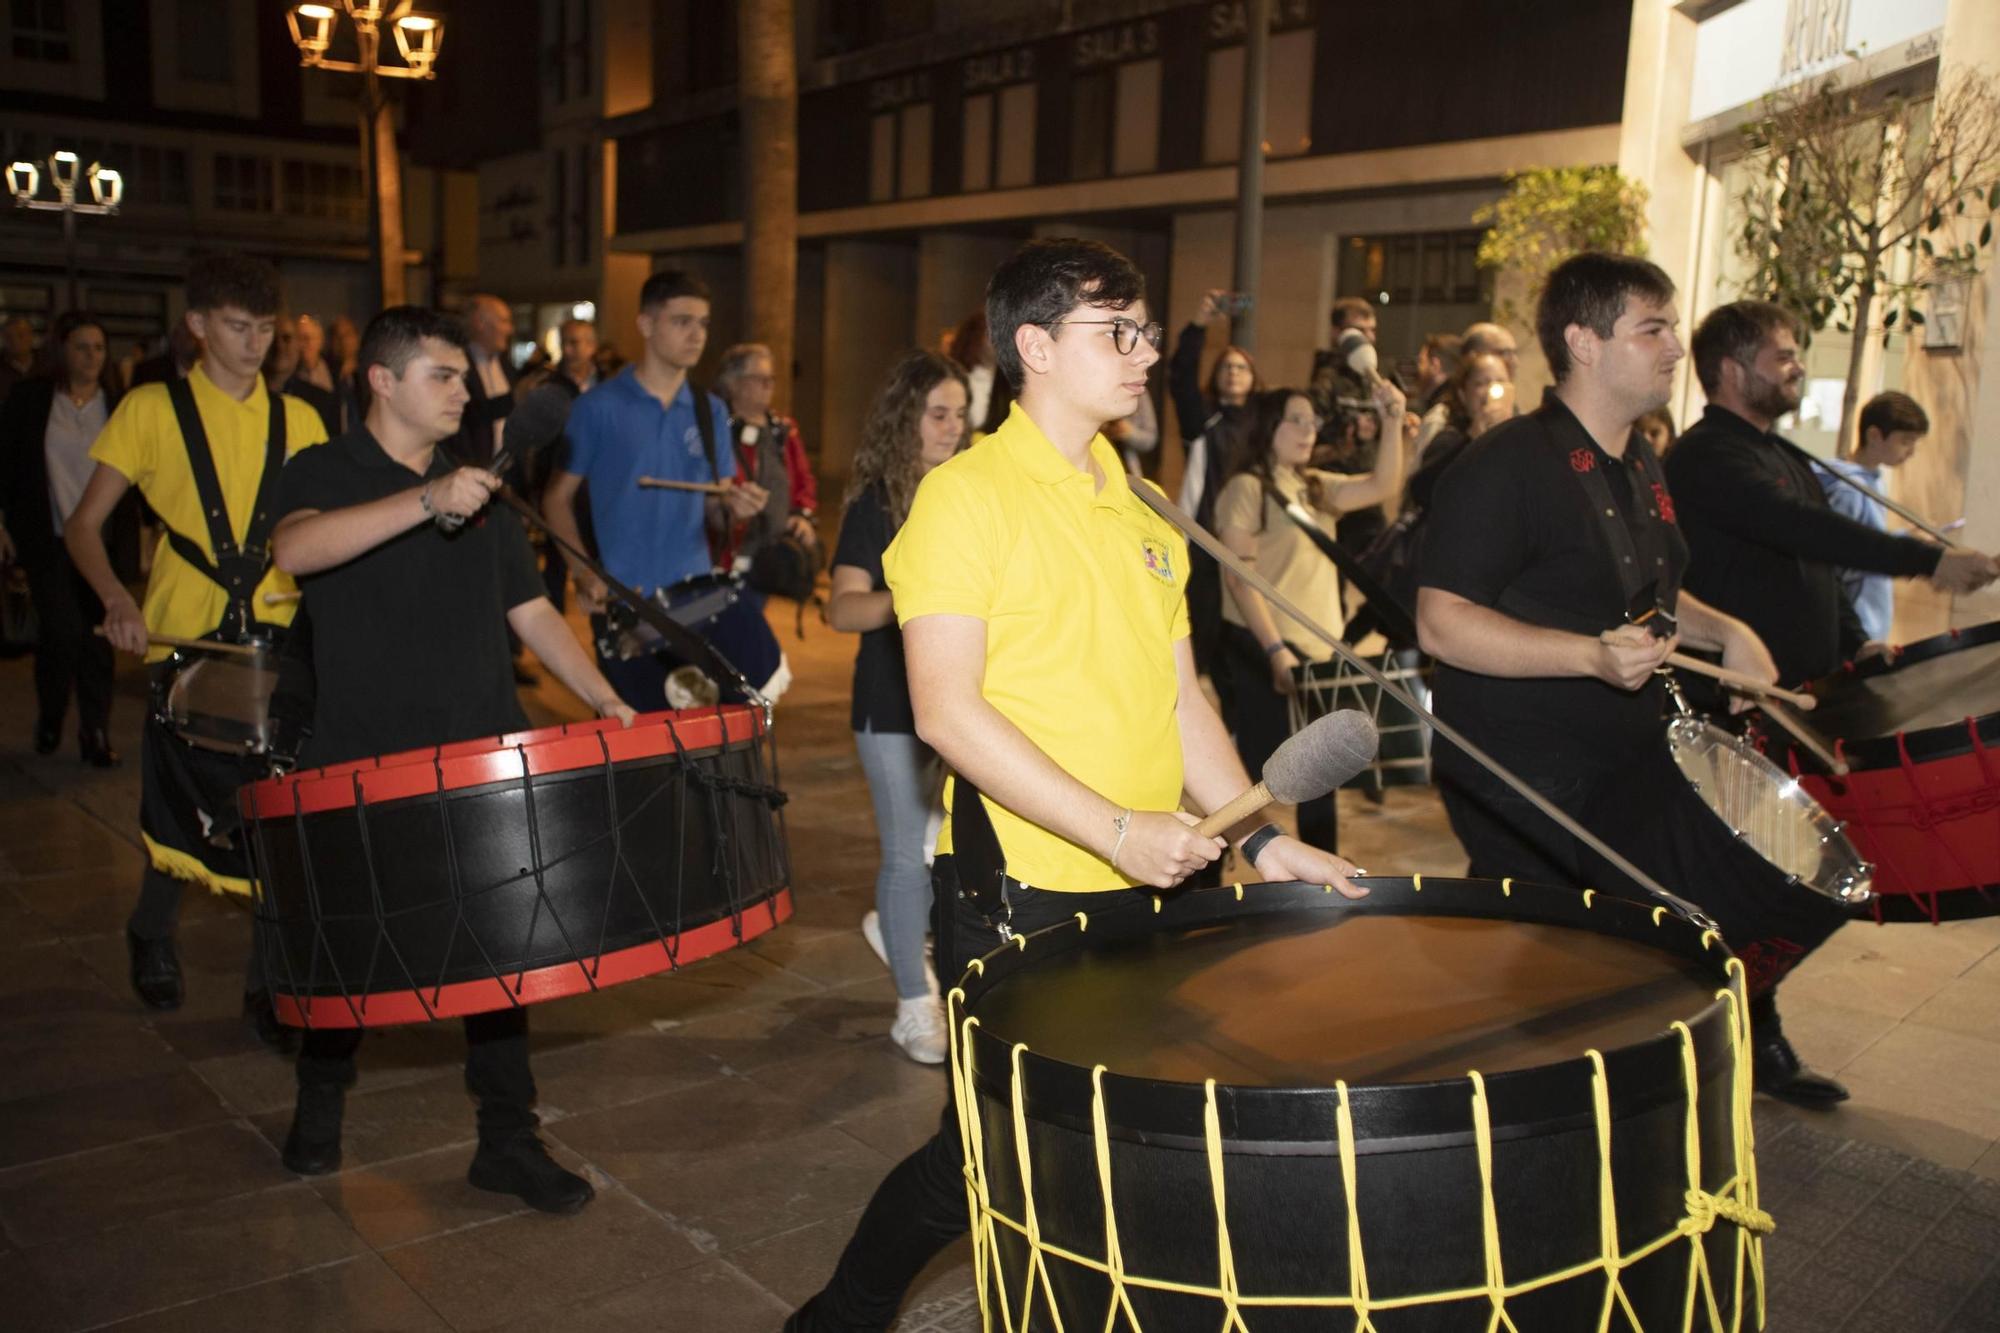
107, 187
418, 38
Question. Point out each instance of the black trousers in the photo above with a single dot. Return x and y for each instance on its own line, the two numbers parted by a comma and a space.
496, 1069
69, 658
1646, 811
1261, 721
919, 1208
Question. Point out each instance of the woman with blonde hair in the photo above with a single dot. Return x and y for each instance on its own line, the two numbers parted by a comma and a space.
919, 420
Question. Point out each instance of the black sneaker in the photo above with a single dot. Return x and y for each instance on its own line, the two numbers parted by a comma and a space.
48, 735
312, 1147
156, 972
522, 1167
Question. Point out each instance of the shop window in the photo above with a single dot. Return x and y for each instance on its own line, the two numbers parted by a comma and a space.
1421, 283
243, 183
1287, 99
1090, 116
913, 155
1014, 155
40, 31
1135, 136
976, 163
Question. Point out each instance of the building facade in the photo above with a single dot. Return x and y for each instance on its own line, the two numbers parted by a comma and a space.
936, 136
224, 143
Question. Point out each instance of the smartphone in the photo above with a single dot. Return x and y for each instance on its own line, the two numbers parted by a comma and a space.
1236, 303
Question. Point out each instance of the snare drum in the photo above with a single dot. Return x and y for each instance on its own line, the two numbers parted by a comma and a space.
493, 873
1920, 730
1770, 810
220, 700
1454, 1105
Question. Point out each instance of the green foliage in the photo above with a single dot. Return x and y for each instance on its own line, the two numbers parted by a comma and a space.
1551, 213
1857, 204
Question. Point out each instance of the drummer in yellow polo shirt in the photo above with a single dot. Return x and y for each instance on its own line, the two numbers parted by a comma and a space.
241, 436
1046, 635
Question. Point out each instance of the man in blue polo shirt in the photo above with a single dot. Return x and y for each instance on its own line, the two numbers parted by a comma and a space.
643, 423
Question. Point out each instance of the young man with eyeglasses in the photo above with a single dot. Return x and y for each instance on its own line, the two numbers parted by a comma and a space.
1045, 630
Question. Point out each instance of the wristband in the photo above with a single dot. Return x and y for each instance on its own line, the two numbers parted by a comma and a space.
1276, 648
1121, 822
1258, 841
424, 499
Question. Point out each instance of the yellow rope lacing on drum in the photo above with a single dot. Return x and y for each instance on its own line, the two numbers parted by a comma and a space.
1735, 1203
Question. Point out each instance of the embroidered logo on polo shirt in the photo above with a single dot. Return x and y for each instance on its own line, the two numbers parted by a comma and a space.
1159, 563
1582, 460
692, 438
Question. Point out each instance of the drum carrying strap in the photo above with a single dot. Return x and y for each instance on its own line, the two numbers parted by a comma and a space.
975, 850
237, 570
1397, 622
1642, 566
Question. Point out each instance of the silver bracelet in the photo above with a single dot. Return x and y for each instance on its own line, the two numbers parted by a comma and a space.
1121, 822
424, 499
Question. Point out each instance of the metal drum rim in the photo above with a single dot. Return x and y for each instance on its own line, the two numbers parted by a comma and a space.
1860, 888
1945, 741
1278, 1121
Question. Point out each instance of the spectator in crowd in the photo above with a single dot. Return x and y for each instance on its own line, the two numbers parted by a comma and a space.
173, 362
1263, 647
1483, 337
1334, 381
1658, 428
343, 346
609, 359
1479, 397
281, 374
1437, 362
312, 359
1212, 417
992, 396
650, 421
47, 427
17, 353
1891, 425
489, 329
919, 420
770, 452
577, 373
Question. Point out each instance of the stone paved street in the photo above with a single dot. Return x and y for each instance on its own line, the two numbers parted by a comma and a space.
736, 1116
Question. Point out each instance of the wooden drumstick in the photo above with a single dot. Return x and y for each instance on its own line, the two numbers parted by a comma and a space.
1805, 736
1747, 684
669, 484
280, 598
205, 645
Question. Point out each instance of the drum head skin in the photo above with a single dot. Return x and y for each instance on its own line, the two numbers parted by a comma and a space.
1275, 1109
1925, 691
1413, 999
1768, 808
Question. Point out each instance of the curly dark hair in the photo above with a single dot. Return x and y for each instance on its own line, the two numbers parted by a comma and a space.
891, 454
1267, 409
244, 281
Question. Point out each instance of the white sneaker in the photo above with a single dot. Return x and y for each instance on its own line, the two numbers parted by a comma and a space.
919, 1030
871, 930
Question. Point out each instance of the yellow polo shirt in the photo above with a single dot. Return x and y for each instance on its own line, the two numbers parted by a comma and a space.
1082, 592
142, 441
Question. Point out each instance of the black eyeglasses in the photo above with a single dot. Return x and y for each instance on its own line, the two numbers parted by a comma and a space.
1125, 333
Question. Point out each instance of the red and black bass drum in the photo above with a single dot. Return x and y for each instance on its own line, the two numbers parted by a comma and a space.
502, 872
1920, 730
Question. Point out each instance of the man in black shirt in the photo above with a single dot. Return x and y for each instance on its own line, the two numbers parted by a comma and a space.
411, 591
1765, 544
1543, 540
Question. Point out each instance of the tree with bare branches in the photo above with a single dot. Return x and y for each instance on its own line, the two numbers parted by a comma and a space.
1859, 202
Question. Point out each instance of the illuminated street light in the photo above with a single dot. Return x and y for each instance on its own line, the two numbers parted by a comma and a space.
107, 189
419, 37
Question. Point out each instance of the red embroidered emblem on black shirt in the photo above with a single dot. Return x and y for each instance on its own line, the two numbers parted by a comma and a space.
1582, 460
1664, 501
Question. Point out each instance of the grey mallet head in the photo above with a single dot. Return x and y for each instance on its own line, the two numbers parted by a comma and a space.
1321, 756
